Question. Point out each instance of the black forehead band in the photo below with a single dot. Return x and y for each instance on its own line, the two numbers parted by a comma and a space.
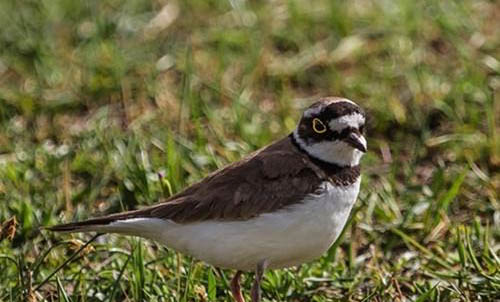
339, 109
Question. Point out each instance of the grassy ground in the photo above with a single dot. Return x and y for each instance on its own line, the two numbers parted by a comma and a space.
111, 105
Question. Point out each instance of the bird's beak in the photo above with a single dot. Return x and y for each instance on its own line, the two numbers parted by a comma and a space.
356, 141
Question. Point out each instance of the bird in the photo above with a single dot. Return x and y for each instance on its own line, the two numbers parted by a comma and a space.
281, 206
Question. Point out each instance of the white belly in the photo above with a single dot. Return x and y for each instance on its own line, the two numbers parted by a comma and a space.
288, 237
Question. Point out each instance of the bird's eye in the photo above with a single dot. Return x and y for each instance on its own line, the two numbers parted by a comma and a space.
318, 126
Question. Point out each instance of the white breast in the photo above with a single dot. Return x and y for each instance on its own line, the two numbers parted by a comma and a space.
288, 237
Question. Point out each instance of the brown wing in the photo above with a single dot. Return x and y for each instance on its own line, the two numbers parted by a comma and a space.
270, 179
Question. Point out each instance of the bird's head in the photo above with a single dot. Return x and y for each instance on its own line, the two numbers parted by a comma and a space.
332, 130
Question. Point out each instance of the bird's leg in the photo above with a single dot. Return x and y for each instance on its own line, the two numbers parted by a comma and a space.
259, 272
235, 287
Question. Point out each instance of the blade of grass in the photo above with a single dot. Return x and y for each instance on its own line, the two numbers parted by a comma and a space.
212, 286
444, 202
62, 291
66, 262
425, 296
116, 284
188, 281
421, 248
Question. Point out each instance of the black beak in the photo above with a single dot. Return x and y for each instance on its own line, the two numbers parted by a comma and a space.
355, 142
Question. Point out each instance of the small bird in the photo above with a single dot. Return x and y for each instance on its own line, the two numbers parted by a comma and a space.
281, 206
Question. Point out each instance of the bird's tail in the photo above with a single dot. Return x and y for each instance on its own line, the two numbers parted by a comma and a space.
101, 224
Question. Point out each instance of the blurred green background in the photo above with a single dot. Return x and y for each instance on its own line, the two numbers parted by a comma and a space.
111, 105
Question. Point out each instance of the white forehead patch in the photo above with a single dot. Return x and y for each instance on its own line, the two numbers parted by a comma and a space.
352, 120
317, 109
336, 100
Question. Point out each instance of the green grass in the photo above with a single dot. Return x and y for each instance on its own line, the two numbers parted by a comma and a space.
101, 112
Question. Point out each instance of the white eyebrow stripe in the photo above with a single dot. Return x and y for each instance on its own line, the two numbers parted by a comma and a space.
353, 120
338, 100
316, 110
313, 111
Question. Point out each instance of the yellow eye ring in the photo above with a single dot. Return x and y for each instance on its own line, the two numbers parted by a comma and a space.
318, 126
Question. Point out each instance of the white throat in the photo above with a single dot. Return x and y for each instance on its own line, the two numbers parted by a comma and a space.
338, 152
